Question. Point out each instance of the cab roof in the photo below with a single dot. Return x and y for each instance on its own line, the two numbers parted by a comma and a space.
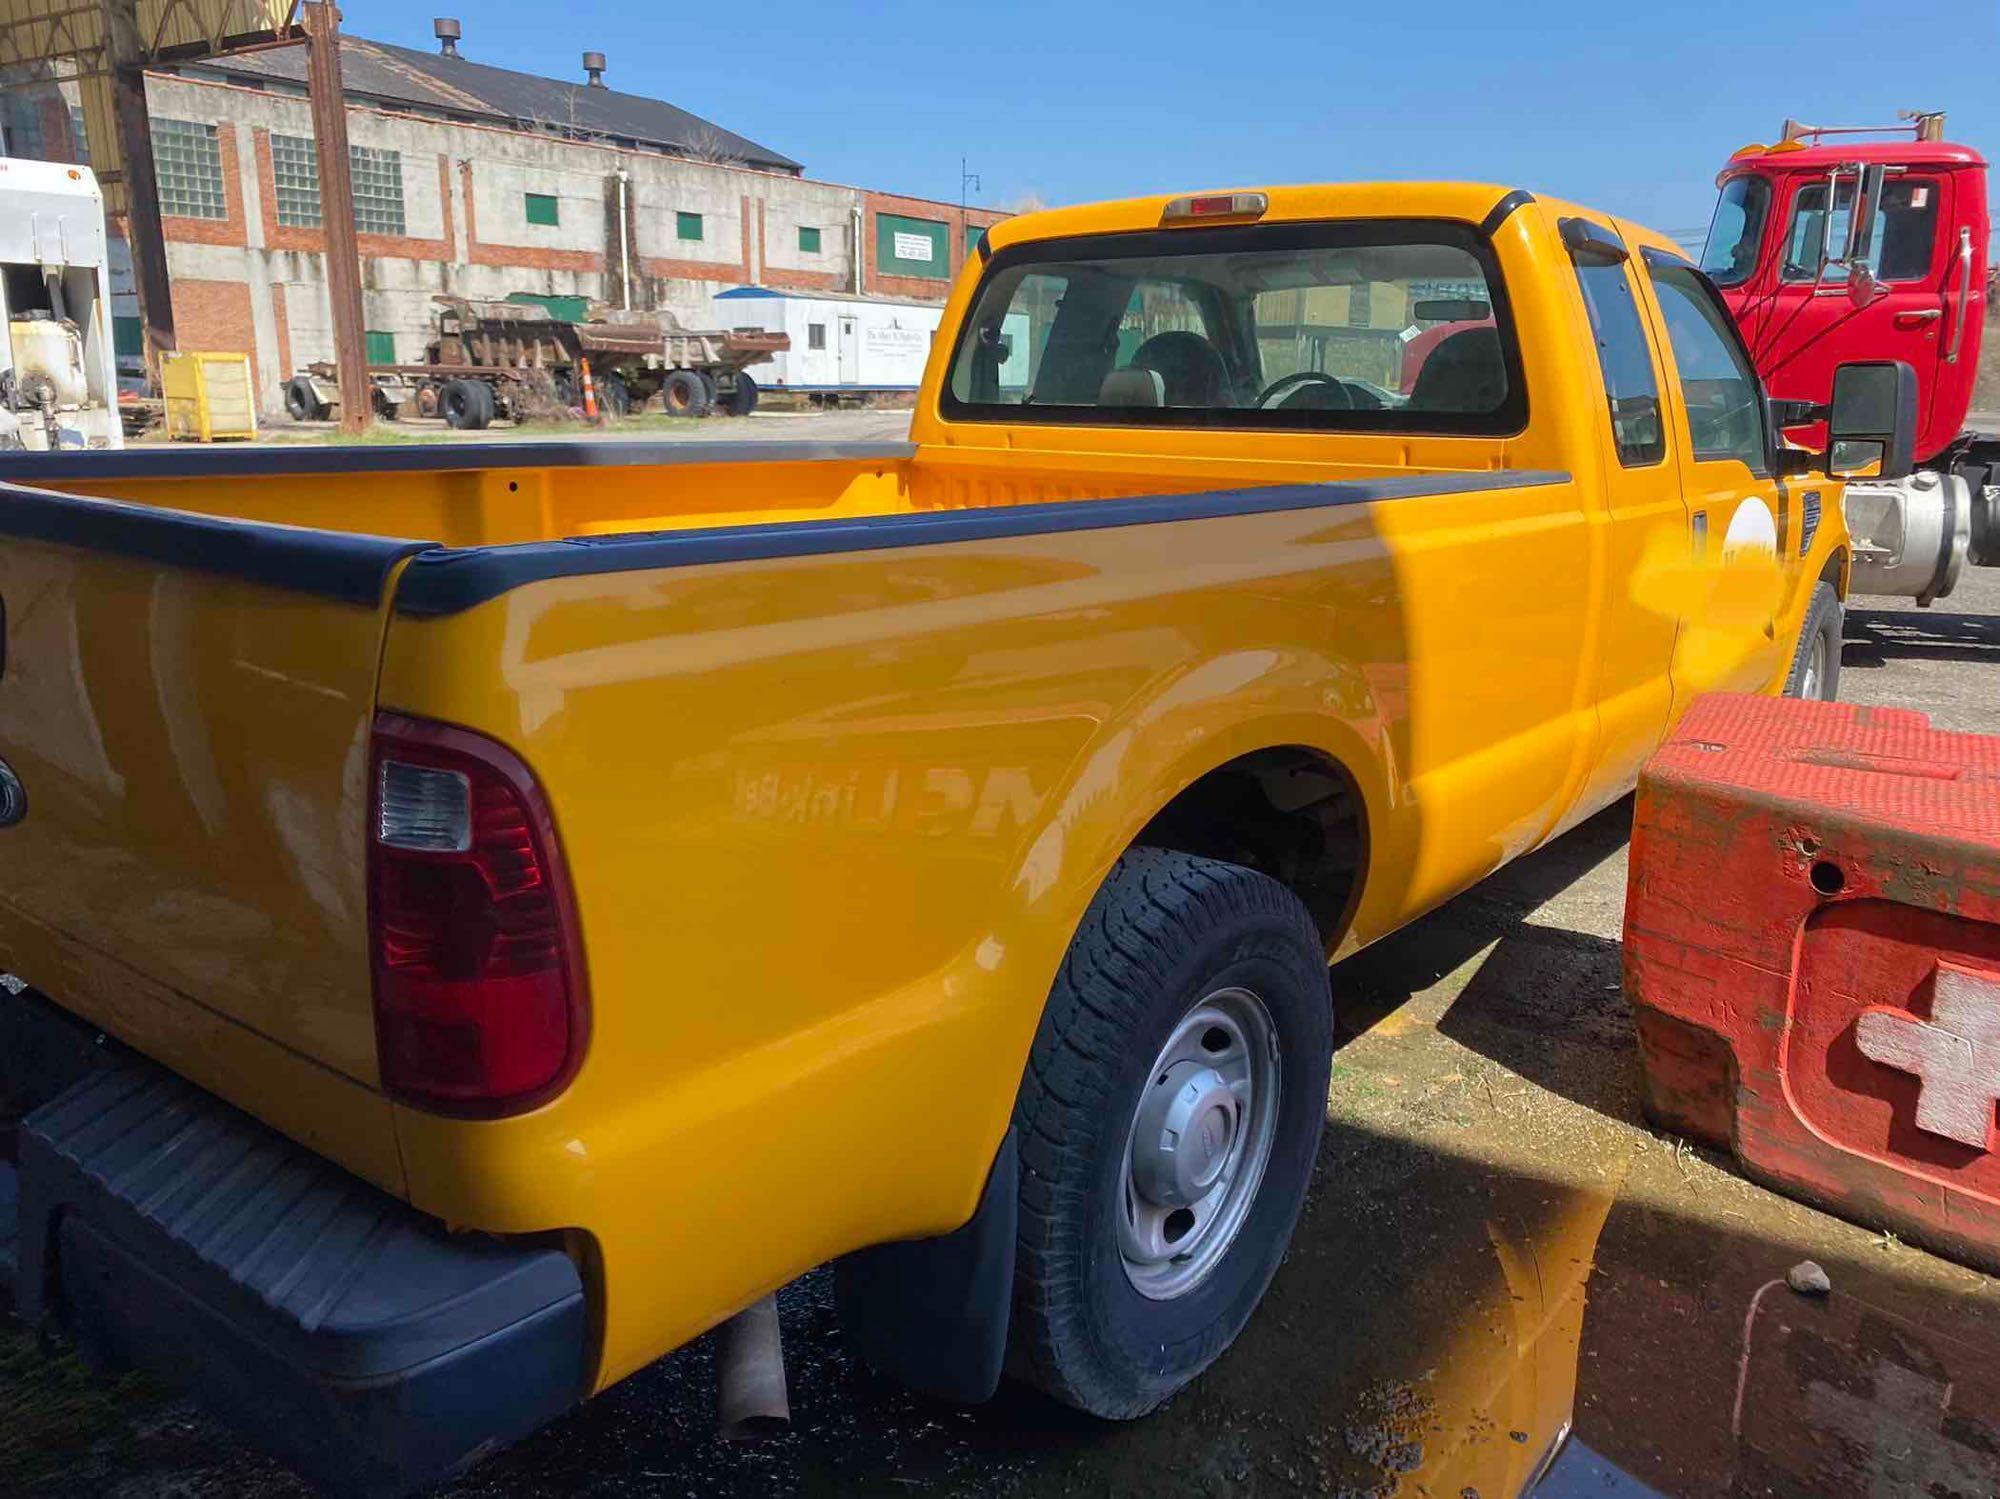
1786, 157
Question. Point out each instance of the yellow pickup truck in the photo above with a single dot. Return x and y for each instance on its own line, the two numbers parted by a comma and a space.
484, 915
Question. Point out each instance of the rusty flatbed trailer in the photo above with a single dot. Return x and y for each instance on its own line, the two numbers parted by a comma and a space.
513, 360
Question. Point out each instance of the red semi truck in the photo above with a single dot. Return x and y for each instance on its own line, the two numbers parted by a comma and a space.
1829, 250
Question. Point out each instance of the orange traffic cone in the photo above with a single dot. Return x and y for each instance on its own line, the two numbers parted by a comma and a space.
589, 393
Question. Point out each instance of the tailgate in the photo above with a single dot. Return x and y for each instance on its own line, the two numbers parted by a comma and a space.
186, 702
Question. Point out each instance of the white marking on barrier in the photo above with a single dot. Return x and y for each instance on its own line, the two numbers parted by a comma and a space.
1955, 1054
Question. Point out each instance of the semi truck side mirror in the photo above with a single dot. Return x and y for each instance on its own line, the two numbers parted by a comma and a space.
1872, 422
1861, 221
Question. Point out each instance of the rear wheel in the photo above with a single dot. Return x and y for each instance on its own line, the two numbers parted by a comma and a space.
614, 396
1815, 673
466, 405
743, 399
685, 393
1168, 1122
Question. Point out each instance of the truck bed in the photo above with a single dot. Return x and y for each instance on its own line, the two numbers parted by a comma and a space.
497, 494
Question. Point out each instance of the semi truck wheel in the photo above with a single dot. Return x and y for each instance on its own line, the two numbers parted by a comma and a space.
686, 393
1815, 673
1168, 1122
742, 400
466, 405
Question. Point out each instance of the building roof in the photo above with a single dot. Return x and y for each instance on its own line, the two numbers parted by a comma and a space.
378, 72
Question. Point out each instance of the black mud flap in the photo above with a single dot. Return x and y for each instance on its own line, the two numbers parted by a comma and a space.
933, 1313
357, 1339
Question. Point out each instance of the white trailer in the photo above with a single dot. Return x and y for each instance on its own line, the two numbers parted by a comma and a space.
58, 374
842, 344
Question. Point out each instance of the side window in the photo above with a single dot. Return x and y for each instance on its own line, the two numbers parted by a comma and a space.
1905, 231
815, 335
1626, 359
1725, 404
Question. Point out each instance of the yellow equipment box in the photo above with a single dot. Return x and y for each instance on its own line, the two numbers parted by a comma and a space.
209, 397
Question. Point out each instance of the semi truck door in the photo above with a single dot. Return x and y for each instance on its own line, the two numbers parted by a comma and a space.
1732, 590
1814, 325
1647, 550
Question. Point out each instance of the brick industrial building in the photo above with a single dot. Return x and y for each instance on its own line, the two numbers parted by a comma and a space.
481, 182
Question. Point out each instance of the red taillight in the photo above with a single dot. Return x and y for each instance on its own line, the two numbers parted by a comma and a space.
479, 994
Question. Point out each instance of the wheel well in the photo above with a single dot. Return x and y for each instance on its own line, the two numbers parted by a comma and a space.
1835, 572
1290, 812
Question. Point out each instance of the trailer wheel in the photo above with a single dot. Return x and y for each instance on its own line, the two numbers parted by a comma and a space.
384, 407
742, 400
614, 396
303, 402
1168, 1122
686, 393
466, 405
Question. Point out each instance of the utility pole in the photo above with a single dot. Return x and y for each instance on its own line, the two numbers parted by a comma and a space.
336, 212
144, 233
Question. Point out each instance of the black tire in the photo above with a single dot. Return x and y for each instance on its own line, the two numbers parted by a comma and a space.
614, 397
1824, 621
466, 405
303, 402
384, 407
686, 393
1166, 932
742, 400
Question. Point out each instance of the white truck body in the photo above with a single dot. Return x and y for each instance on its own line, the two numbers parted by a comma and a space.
862, 346
58, 374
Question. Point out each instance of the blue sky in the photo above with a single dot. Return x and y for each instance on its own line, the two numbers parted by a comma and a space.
1627, 108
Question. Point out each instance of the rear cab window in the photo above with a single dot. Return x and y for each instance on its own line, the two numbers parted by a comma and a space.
1356, 325
1625, 359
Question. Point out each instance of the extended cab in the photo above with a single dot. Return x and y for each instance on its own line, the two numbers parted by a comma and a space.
492, 913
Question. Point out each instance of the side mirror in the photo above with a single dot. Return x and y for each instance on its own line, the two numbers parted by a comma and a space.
1872, 419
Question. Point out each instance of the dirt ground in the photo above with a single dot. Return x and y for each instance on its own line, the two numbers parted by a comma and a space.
1497, 1251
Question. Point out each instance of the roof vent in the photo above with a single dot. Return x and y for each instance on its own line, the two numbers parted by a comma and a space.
448, 31
593, 64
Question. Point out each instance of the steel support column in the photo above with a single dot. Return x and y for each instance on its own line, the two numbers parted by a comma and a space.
336, 205
144, 234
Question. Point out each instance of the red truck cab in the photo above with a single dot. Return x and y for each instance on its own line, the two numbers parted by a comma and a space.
1896, 271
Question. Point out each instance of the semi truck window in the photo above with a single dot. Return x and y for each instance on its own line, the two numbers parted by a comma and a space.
1625, 359
1365, 325
1737, 230
1725, 404
1905, 231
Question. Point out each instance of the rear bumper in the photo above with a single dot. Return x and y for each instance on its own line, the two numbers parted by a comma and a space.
358, 1339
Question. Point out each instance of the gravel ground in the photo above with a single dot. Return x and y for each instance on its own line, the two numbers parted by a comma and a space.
1498, 1250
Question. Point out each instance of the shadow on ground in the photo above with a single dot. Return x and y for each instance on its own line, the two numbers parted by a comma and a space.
1876, 637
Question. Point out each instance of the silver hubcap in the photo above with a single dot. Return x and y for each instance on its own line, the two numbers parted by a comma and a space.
1200, 1139
1815, 668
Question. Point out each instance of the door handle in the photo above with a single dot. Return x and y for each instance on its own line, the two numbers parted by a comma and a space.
1922, 315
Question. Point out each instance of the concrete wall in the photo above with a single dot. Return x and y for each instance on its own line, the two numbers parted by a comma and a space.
248, 283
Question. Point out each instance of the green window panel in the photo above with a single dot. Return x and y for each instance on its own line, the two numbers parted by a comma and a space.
128, 338
687, 225
381, 347
912, 247
567, 309
808, 240
541, 208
